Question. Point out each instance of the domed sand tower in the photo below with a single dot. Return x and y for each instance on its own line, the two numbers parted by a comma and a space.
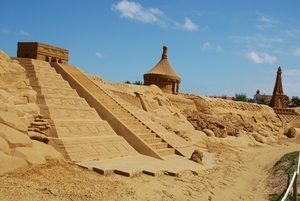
163, 75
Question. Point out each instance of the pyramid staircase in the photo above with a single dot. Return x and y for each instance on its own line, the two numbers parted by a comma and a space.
137, 127
76, 131
137, 134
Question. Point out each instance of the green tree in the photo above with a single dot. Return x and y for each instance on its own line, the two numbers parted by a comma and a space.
250, 100
138, 83
263, 100
240, 97
224, 97
287, 99
296, 101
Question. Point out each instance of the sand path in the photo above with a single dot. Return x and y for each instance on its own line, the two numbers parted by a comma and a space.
240, 174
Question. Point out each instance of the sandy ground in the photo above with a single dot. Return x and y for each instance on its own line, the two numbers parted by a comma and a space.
240, 174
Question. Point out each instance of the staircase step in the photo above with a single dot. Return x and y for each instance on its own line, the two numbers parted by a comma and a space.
139, 130
136, 126
153, 140
160, 145
111, 104
129, 120
147, 135
166, 151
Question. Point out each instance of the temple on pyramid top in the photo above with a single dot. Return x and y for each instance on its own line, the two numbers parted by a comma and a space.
43, 52
163, 75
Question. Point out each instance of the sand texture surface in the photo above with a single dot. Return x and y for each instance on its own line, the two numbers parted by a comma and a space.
239, 174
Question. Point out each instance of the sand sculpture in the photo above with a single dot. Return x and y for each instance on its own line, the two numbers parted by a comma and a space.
197, 156
278, 103
86, 120
163, 75
18, 111
278, 99
40, 51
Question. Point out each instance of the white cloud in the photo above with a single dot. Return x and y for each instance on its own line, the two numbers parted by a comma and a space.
267, 21
206, 46
292, 73
293, 32
262, 57
290, 82
24, 33
258, 38
296, 52
219, 48
189, 25
135, 11
4, 31
99, 55
264, 26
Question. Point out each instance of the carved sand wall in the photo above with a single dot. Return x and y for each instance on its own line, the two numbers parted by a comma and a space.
230, 118
17, 113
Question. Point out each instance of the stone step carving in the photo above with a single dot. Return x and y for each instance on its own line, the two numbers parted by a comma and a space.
60, 100
92, 148
34, 81
61, 112
54, 91
80, 128
38, 130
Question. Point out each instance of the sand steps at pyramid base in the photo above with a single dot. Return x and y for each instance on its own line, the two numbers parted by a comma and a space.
121, 112
92, 148
159, 145
152, 140
137, 127
147, 135
139, 130
129, 120
165, 151
109, 104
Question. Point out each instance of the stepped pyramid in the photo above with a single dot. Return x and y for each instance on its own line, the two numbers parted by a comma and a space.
155, 142
81, 133
77, 131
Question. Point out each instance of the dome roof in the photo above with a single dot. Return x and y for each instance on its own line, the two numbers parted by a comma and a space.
163, 67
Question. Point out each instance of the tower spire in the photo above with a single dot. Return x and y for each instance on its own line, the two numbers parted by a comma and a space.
278, 98
165, 53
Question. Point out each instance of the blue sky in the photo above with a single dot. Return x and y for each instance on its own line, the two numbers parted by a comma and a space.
217, 47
